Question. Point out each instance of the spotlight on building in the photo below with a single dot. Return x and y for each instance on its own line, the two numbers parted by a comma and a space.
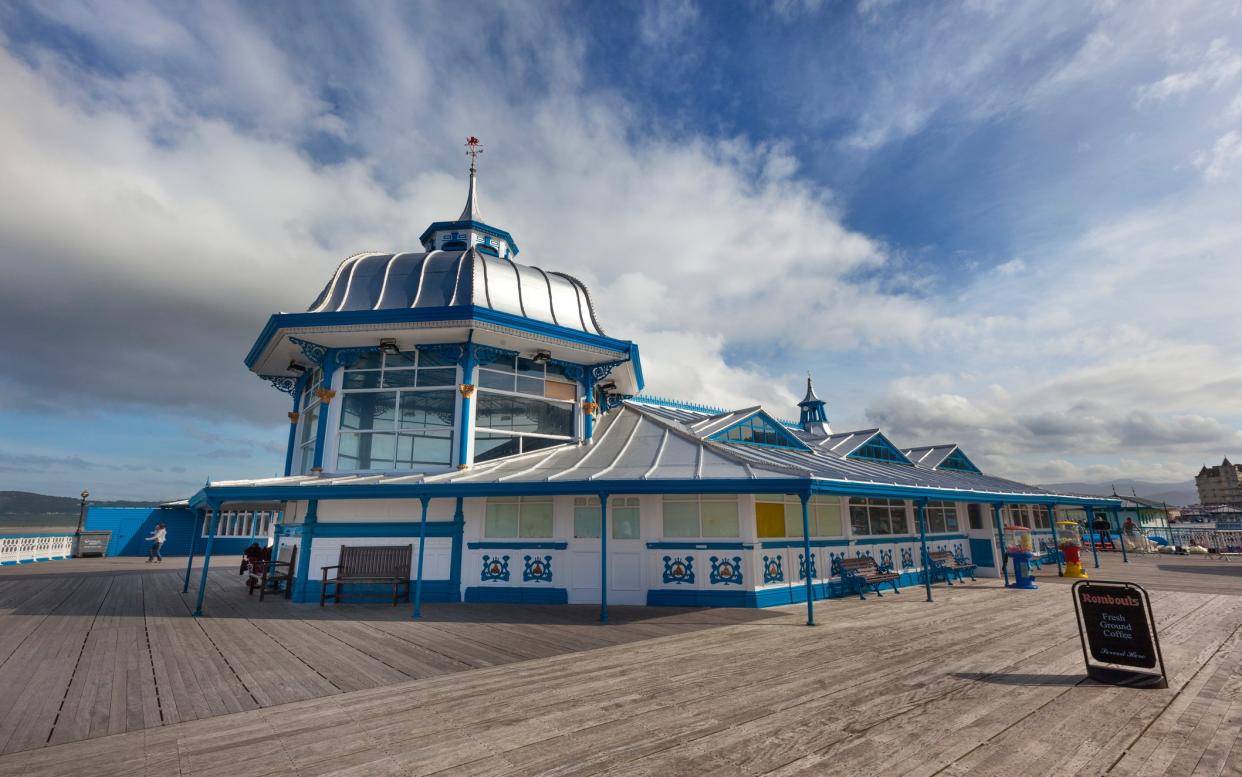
389, 345
295, 367
541, 356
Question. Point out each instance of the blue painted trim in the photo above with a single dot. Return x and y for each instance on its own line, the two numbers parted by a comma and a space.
477, 226
678, 404
799, 543
386, 529
638, 366
885, 539
301, 580
465, 425
517, 594
504, 545
793, 485
333, 319
459, 518
700, 545
378, 593
298, 387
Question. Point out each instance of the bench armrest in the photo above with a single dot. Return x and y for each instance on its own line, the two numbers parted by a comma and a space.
334, 566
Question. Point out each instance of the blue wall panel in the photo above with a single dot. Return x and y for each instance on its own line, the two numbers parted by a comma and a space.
130, 526
981, 552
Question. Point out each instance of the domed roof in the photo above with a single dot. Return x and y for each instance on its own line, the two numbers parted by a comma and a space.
438, 279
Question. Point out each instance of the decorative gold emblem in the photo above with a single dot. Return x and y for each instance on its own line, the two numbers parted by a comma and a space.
590, 407
467, 390
293, 418
325, 395
316, 470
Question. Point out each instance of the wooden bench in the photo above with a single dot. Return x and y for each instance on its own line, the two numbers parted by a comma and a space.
369, 564
862, 573
948, 566
267, 575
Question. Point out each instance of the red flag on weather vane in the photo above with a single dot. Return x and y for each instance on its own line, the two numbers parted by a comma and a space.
473, 148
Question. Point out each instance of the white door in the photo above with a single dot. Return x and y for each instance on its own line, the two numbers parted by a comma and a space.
981, 530
625, 552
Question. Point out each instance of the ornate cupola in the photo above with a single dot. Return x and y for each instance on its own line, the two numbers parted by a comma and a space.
813, 419
442, 357
469, 230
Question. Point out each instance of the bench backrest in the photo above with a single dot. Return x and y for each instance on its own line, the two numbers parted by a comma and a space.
863, 565
942, 556
374, 560
287, 554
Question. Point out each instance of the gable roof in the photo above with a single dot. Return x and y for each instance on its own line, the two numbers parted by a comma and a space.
947, 456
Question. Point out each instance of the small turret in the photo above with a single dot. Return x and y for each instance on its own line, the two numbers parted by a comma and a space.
813, 419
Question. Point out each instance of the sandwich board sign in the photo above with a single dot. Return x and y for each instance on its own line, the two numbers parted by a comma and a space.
1118, 634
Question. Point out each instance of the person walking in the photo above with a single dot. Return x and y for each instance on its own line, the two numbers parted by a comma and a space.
158, 536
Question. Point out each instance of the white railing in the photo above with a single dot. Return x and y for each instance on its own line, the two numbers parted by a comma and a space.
22, 550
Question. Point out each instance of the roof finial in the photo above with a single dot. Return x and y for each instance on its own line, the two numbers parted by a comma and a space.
471, 211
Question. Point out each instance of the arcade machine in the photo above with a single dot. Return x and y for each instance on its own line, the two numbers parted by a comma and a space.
1021, 546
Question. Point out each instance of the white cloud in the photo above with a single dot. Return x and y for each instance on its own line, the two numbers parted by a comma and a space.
1012, 267
1219, 66
1225, 154
667, 22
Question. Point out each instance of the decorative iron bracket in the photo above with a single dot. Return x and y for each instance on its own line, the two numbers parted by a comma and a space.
285, 383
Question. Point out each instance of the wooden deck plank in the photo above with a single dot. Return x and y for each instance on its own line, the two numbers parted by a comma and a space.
983, 681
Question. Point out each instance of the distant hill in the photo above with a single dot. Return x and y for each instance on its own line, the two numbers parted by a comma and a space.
26, 502
27, 511
1174, 494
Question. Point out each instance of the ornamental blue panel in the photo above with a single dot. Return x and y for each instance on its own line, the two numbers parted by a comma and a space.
802, 567
495, 568
907, 558
536, 568
772, 572
885, 564
678, 569
726, 571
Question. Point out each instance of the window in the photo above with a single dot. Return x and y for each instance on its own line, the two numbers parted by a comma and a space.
623, 517
397, 412
941, 517
958, 462
308, 420
242, 523
878, 516
1030, 516
774, 519
976, 515
512, 517
878, 448
878, 452
701, 516
758, 430
522, 405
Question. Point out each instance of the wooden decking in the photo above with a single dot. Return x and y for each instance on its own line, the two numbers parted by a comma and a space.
109, 646
983, 681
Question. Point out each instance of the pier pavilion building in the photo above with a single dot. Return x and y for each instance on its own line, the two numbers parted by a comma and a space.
462, 401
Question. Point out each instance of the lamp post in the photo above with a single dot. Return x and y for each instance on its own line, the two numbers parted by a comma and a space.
77, 534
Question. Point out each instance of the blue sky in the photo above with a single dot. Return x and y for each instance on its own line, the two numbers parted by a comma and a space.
1011, 225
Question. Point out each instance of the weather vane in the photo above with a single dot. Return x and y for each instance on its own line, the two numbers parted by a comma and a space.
473, 148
